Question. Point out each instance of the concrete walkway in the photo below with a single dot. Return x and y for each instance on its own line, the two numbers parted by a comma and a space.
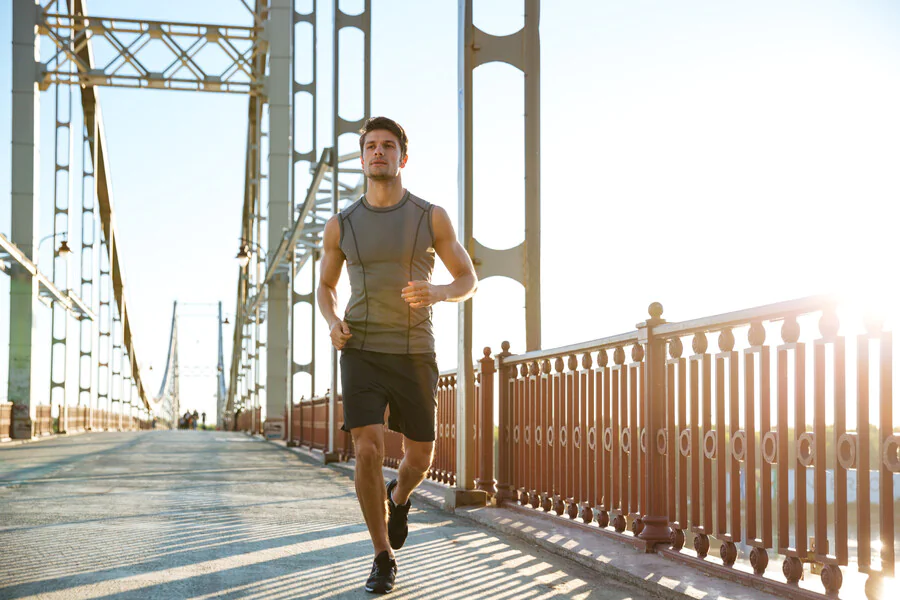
193, 514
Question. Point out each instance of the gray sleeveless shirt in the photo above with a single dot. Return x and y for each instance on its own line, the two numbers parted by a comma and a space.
385, 249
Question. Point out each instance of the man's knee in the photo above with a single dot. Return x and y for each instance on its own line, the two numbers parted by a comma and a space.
419, 455
368, 451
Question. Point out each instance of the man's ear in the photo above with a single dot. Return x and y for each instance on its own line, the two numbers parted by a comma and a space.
403, 161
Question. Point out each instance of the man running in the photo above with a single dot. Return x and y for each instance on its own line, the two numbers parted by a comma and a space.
388, 239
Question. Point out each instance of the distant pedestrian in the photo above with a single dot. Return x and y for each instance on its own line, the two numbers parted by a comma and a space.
388, 238
194, 418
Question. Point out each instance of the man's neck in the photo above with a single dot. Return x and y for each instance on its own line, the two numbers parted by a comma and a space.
383, 194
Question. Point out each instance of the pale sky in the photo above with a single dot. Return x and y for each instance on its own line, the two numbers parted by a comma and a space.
707, 155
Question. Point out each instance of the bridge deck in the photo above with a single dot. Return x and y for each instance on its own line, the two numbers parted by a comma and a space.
181, 514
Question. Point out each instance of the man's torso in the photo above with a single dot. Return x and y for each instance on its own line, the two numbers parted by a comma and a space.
385, 249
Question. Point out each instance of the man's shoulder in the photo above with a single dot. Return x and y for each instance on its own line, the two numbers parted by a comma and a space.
348, 210
421, 202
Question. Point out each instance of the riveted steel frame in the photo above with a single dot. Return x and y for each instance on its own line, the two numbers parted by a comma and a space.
73, 62
93, 120
115, 389
280, 89
62, 195
305, 157
132, 39
341, 126
104, 329
24, 193
87, 340
522, 263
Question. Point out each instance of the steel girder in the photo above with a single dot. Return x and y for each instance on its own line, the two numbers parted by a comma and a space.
523, 262
12, 259
134, 42
62, 196
102, 179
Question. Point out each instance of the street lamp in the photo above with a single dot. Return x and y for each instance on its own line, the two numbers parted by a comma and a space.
244, 253
63, 250
243, 256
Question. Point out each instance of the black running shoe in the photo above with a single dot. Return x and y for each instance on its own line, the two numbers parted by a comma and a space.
398, 518
384, 571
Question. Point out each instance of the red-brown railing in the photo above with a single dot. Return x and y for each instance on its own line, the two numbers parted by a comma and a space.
788, 447
248, 420
5, 421
443, 466
310, 426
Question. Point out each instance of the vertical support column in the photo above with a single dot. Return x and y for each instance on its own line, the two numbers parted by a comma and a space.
25, 193
308, 156
465, 399
340, 126
656, 523
104, 327
118, 359
280, 89
532, 68
62, 194
86, 363
522, 263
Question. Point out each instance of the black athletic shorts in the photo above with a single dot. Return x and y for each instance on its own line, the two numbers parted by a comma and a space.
407, 383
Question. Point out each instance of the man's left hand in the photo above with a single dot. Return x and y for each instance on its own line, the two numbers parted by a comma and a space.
419, 294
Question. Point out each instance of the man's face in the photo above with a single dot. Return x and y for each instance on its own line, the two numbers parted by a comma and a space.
381, 155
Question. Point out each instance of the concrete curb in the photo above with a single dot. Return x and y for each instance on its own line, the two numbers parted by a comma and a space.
655, 575
43, 438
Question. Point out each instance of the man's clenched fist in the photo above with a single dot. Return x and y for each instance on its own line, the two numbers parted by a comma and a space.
340, 333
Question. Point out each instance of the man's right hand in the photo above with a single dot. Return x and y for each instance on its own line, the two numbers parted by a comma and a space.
340, 333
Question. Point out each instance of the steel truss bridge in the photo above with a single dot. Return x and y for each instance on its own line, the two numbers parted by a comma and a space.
633, 439
260, 60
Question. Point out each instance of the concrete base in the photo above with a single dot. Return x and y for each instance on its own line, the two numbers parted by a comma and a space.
456, 497
331, 457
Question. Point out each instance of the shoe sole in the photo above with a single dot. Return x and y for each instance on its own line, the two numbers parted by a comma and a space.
371, 591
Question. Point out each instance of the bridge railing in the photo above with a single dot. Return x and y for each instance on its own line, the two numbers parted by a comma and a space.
248, 420
786, 446
310, 429
43, 420
5, 421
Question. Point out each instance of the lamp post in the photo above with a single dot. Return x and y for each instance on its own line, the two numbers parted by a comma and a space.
63, 249
245, 252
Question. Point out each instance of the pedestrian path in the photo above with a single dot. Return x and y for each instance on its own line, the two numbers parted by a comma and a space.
202, 514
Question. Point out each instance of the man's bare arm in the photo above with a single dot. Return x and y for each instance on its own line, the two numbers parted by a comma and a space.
420, 294
330, 272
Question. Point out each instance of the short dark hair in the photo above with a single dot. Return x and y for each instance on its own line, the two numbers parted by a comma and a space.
374, 123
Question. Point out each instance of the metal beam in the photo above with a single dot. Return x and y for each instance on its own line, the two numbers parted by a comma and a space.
522, 263
16, 261
340, 126
23, 288
132, 42
280, 92
93, 119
